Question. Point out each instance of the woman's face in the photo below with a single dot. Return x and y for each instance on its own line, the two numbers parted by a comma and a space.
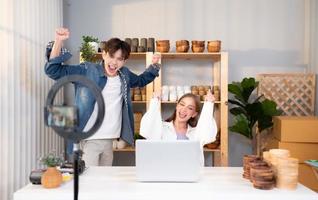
185, 109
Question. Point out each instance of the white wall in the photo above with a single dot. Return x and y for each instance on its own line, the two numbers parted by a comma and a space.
260, 35
25, 28
312, 16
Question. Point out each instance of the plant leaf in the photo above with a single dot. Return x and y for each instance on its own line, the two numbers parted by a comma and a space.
241, 126
254, 111
264, 122
235, 89
236, 103
269, 108
248, 86
237, 111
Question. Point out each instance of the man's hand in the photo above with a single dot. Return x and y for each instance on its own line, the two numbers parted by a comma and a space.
156, 58
61, 34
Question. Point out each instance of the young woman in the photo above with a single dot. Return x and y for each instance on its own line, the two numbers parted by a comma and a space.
186, 122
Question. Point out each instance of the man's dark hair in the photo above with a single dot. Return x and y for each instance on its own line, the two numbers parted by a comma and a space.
113, 45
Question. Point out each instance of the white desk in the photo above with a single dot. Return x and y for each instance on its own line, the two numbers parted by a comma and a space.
110, 183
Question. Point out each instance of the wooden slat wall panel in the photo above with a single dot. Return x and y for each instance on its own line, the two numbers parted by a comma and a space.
25, 28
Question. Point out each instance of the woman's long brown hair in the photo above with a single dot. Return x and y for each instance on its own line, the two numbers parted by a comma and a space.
192, 121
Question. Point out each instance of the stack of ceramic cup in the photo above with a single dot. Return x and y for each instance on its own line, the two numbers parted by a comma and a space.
180, 92
151, 45
285, 167
165, 93
134, 45
187, 89
266, 157
287, 173
275, 154
143, 45
172, 93
261, 175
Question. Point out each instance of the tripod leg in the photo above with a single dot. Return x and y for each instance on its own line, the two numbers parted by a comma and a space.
76, 172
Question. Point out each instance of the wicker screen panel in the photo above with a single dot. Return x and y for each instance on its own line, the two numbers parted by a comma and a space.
293, 93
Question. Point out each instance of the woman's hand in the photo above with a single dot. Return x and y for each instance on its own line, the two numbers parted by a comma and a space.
157, 94
209, 97
156, 58
61, 34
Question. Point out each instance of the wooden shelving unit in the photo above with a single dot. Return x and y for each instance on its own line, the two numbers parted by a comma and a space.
219, 64
131, 149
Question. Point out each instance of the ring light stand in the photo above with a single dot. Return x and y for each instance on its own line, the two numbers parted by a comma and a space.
73, 133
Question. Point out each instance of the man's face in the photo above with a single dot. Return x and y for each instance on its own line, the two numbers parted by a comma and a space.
113, 63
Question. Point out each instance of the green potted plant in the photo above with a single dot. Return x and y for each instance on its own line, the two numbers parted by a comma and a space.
252, 114
52, 177
89, 48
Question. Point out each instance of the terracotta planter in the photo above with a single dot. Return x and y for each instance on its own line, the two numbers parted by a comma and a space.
51, 178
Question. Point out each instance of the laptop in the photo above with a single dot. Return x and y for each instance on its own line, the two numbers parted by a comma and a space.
168, 161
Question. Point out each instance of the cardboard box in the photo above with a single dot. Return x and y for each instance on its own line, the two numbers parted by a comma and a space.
307, 177
296, 129
302, 151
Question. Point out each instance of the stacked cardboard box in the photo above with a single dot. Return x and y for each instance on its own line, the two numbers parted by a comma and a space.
300, 136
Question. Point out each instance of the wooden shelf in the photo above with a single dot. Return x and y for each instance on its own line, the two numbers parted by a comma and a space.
126, 149
173, 55
174, 102
139, 102
190, 55
132, 55
132, 149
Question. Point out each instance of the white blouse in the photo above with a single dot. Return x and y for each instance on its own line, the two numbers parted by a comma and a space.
152, 127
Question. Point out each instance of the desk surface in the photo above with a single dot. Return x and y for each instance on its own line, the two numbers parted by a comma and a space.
98, 183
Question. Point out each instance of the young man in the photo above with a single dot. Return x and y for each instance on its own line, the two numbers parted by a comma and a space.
115, 81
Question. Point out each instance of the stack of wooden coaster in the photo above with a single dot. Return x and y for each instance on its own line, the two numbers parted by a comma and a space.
246, 164
261, 175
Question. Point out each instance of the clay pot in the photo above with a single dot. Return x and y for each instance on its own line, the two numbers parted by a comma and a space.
162, 43
182, 48
214, 46
51, 178
200, 43
163, 49
182, 43
197, 49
